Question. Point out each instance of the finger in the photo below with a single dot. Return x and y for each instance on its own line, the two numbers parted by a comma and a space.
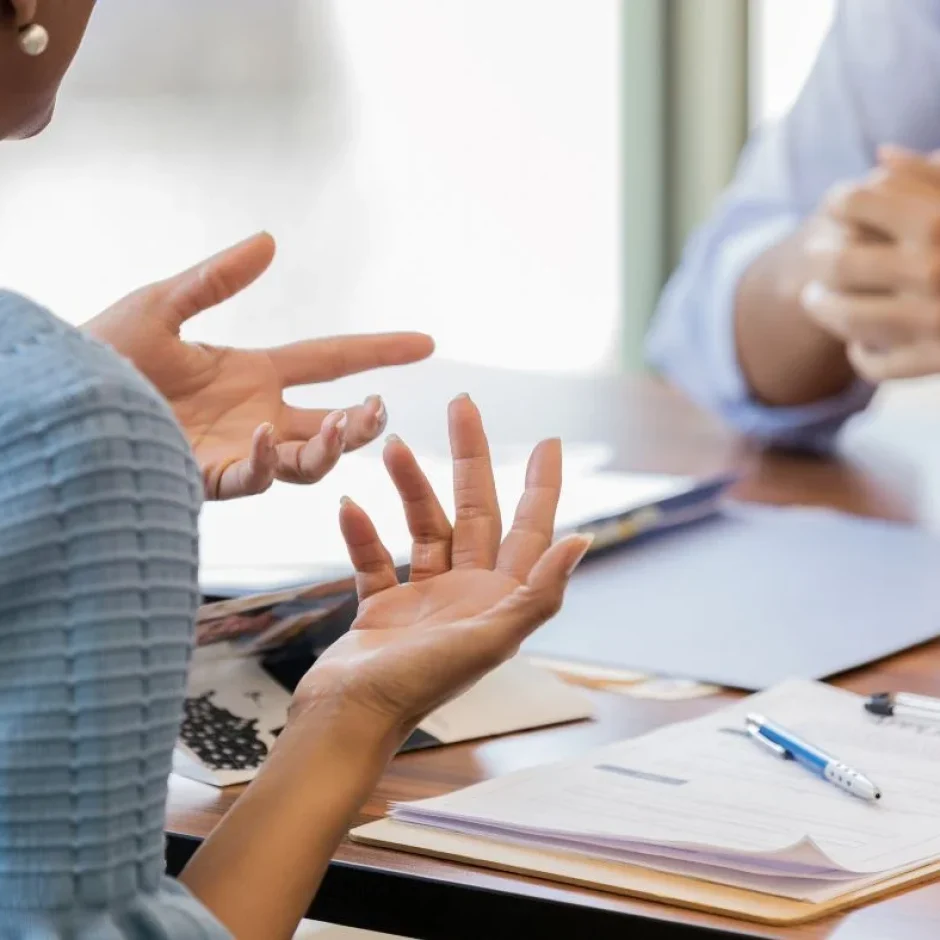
365, 422
322, 360
428, 524
540, 598
900, 160
218, 278
477, 523
852, 266
246, 477
896, 362
534, 522
902, 212
871, 319
842, 262
373, 419
375, 569
310, 461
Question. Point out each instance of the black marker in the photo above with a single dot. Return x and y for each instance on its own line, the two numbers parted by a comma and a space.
904, 705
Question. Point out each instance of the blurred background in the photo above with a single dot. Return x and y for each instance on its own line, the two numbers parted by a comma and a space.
473, 168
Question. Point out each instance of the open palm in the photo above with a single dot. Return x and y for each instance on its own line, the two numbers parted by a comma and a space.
471, 598
231, 402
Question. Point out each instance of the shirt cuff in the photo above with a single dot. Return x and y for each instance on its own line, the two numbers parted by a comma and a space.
807, 426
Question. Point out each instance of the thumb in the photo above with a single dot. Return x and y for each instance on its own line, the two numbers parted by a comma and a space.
901, 160
895, 154
217, 278
540, 598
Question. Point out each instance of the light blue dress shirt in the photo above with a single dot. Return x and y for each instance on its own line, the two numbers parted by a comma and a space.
876, 81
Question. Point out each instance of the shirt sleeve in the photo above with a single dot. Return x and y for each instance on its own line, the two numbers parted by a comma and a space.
876, 80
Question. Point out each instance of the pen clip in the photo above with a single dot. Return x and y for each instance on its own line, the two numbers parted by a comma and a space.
772, 746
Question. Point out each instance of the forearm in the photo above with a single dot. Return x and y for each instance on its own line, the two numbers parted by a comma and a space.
787, 359
263, 864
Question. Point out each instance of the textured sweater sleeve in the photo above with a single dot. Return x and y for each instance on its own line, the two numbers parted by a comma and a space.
98, 586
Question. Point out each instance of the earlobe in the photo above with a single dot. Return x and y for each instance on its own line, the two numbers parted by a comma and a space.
23, 11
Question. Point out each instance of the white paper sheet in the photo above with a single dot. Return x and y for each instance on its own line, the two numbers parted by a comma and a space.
515, 696
233, 704
702, 793
291, 534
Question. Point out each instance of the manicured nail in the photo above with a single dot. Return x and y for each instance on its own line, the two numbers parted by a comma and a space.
463, 395
335, 421
586, 542
334, 431
393, 439
381, 415
344, 501
267, 432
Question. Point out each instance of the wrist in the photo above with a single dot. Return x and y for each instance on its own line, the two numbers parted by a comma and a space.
263, 863
325, 727
788, 359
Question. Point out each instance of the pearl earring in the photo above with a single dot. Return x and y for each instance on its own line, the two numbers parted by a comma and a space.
33, 39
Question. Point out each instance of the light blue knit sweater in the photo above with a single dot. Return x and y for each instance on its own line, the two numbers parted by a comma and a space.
99, 497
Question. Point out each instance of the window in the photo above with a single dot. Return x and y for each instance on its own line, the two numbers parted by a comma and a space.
446, 165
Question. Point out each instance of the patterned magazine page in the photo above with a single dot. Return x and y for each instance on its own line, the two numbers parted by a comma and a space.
233, 712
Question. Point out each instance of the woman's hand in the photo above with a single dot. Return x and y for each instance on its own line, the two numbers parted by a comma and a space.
230, 401
472, 598
471, 601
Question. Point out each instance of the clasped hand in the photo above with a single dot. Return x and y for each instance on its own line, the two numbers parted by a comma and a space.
875, 259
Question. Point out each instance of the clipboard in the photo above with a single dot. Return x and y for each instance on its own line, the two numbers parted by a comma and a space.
629, 880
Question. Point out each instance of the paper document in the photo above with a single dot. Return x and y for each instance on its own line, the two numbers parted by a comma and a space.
234, 711
515, 696
751, 597
701, 798
291, 534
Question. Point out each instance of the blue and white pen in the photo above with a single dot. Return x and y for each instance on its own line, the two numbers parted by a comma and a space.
786, 745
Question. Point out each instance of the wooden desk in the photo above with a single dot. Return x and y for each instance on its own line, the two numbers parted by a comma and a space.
649, 428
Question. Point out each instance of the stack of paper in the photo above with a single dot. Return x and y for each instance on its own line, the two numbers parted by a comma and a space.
702, 799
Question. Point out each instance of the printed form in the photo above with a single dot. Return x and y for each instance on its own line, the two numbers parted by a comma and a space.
701, 798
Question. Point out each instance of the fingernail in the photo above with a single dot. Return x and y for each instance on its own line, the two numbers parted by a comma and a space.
267, 431
462, 395
381, 416
811, 295
335, 422
393, 439
587, 541
344, 500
